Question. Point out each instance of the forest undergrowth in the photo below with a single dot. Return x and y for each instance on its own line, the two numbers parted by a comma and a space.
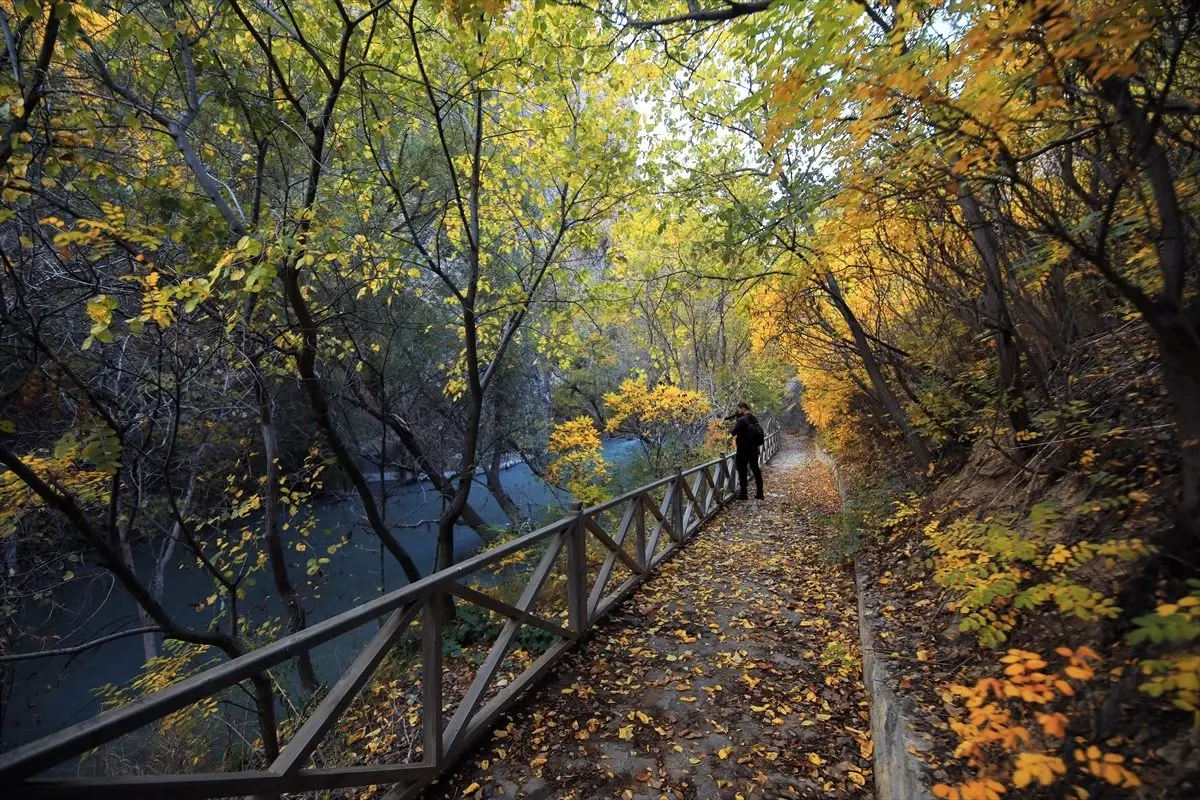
1036, 620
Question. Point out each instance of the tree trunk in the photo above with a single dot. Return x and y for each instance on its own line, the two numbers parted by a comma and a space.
1178, 338
470, 516
149, 640
297, 619
444, 557
264, 702
720, 329
158, 583
884, 392
1176, 323
400, 427
306, 366
466, 473
497, 488
492, 467
995, 308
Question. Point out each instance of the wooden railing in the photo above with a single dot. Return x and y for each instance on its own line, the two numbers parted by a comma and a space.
601, 554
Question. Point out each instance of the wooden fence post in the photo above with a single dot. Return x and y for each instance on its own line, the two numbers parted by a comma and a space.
719, 491
677, 505
577, 572
431, 677
731, 468
639, 518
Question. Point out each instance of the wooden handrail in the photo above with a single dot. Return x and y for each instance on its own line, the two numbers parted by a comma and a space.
683, 510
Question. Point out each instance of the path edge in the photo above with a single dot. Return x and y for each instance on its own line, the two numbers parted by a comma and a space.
899, 775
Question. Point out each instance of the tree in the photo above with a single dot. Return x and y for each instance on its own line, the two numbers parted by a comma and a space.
496, 224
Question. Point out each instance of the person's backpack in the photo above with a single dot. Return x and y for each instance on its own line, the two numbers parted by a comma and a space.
757, 435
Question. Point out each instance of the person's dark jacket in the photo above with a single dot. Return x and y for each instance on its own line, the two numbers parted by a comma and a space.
747, 443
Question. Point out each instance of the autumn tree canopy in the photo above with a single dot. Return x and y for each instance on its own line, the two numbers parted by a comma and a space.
255, 253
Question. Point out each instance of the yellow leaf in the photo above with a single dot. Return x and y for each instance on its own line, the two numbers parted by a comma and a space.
1053, 724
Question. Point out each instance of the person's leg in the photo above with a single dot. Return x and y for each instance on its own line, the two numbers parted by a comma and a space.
742, 463
757, 477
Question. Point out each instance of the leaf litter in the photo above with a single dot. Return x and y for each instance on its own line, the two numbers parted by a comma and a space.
733, 673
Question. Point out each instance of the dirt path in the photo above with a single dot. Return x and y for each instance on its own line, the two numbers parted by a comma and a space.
733, 673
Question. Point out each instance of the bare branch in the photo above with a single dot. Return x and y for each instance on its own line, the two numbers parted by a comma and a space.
696, 14
79, 648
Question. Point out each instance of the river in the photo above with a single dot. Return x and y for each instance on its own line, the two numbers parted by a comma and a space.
49, 694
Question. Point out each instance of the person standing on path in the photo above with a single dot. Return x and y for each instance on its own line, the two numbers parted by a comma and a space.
748, 436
